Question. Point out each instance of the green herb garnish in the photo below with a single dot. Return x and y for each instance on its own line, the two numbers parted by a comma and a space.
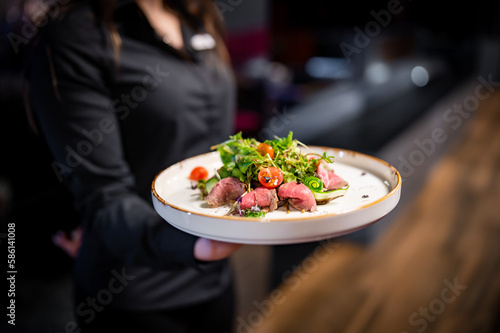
251, 213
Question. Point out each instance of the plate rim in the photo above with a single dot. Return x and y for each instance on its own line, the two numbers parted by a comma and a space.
391, 193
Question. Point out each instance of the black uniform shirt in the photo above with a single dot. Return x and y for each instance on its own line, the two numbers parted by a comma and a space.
113, 121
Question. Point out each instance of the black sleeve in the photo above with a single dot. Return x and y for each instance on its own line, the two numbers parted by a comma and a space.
71, 98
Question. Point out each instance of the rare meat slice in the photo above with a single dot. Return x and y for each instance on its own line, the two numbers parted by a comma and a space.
261, 196
226, 190
330, 180
299, 196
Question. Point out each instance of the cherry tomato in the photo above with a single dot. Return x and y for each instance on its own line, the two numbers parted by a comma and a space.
198, 173
271, 177
314, 159
264, 149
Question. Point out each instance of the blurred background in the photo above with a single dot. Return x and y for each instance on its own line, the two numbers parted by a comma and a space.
371, 76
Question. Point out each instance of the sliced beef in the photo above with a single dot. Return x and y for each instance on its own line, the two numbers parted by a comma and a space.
264, 197
299, 196
330, 180
226, 190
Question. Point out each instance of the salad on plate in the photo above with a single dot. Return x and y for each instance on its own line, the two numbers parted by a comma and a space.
258, 177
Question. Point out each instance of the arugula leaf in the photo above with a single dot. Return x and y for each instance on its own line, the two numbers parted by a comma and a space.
251, 213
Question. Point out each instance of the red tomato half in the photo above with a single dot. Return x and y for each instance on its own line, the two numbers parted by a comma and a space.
271, 177
198, 173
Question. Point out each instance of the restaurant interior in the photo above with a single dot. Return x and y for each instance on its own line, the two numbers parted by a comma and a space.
413, 83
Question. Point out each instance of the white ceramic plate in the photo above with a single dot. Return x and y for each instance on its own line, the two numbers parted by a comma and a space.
375, 189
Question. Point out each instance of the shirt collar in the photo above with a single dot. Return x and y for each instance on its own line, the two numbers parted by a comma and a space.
136, 26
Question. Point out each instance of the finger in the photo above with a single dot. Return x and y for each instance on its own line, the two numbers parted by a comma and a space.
210, 250
66, 244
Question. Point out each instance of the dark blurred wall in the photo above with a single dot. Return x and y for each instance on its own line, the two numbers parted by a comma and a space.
31, 195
